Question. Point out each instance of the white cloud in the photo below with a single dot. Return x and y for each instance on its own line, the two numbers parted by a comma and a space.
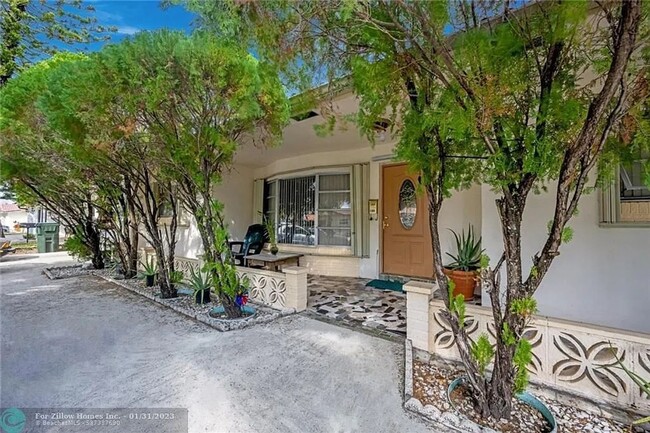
104, 16
127, 30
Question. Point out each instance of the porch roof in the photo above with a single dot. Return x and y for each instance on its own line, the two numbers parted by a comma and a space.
300, 138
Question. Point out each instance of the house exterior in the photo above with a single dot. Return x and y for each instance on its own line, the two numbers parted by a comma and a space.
11, 215
354, 211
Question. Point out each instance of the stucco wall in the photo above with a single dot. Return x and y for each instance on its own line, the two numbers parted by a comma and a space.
236, 193
600, 277
10, 218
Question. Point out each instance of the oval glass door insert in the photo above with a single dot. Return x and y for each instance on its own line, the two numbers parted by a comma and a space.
407, 204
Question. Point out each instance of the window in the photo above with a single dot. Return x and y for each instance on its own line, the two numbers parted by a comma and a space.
334, 210
628, 201
165, 209
310, 210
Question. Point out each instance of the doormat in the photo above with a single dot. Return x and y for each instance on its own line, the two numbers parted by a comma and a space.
386, 285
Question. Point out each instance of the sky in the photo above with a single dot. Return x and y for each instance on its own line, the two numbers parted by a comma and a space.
132, 16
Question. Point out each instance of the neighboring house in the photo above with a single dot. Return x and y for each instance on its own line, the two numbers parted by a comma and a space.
11, 215
317, 190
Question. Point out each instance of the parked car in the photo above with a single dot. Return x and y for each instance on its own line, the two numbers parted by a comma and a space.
290, 234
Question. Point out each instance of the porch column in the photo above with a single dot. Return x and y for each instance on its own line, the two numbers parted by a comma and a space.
296, 292
418, 295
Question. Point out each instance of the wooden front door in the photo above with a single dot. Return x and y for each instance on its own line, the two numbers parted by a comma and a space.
406, 239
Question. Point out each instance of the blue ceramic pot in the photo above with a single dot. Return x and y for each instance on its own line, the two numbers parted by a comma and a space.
246, 309
185, 291
525, 397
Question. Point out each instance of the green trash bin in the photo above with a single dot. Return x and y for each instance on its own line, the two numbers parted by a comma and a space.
47, 237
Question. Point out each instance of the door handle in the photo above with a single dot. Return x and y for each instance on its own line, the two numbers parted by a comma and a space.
384, 223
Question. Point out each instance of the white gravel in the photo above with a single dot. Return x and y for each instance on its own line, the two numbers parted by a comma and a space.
430, 382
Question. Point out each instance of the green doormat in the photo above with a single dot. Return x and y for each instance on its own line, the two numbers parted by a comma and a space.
386, 285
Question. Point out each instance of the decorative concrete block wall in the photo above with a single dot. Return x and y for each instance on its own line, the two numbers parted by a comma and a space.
186, 265
281, 290
287, 289
568, 356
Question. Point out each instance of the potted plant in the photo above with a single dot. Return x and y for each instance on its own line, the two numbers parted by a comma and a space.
233, 287
271, 233
200, 284
463, 270
149, 271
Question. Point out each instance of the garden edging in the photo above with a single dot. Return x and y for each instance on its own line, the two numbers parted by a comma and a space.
219, 325
451, 420
51, 276
269, 315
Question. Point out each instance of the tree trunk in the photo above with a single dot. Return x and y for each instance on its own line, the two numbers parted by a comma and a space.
132, 259
95, 247
232, 310
500, 394
167, 290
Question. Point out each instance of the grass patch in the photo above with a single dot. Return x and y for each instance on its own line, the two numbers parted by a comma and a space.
25, 246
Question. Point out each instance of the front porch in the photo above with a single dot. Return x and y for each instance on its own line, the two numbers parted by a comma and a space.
349, 300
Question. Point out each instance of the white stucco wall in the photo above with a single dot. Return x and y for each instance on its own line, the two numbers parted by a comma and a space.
236, 193
11, 218
601, 276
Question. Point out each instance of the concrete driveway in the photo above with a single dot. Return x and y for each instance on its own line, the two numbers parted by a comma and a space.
83, 342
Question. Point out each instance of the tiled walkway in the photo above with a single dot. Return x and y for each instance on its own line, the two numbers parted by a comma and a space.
349, 300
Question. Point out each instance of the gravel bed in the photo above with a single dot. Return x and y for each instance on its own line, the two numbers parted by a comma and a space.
58, 273
183, 304
65, 272
524, 417
430, 382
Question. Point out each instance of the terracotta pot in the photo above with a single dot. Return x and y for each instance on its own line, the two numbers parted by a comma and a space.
465, 282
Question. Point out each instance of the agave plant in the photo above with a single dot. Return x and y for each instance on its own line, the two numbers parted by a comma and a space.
201, 283
468, 256
149, 267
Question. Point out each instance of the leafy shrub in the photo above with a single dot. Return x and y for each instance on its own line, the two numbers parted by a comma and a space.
176, 277
77, 248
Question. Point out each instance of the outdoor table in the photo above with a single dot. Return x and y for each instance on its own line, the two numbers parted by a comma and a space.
273, 261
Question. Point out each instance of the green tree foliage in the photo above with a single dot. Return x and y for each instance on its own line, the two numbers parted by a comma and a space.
30, 29
550, 94
197, 99
99, 118
50, 158
38, 163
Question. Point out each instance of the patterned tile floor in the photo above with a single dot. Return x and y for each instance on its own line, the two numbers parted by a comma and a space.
349, 300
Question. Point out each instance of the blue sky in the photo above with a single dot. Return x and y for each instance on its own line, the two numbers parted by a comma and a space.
132, 16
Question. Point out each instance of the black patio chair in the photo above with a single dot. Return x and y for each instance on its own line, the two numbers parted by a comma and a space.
253, 243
